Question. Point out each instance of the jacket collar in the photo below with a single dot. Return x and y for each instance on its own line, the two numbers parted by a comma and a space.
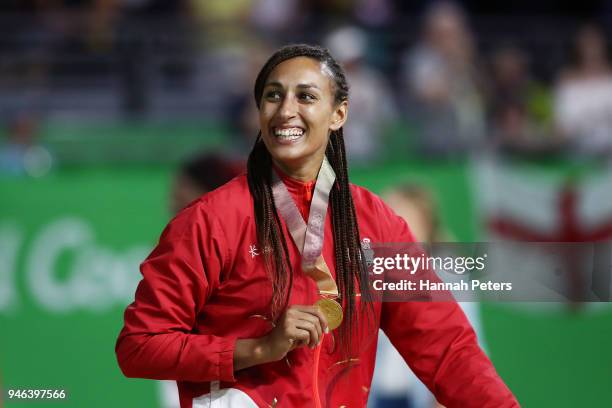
301, 191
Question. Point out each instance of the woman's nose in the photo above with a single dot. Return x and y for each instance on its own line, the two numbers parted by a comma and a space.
288, 108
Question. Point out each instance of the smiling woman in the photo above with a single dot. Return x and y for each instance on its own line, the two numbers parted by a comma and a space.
297, 111
255, 296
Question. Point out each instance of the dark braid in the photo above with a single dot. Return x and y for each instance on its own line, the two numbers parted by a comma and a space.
269, 235
350, 262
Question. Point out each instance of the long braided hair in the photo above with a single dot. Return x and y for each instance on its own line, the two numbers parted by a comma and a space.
351, 272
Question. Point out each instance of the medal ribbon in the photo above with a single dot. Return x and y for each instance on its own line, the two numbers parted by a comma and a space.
309, 238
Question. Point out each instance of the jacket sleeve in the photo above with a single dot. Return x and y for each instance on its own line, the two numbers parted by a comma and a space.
440, 346
157, 339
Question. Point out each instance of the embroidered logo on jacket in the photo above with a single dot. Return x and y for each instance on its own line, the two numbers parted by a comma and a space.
253, 251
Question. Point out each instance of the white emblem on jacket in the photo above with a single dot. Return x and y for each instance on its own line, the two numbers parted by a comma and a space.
253, 251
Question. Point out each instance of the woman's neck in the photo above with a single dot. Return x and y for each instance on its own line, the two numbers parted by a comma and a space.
303, 172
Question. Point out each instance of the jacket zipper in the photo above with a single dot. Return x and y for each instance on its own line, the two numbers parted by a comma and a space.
315, 374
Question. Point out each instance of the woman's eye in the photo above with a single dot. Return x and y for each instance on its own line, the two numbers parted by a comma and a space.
273, 95
307, 97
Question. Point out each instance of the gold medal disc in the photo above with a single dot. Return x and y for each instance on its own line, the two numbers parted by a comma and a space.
332, 311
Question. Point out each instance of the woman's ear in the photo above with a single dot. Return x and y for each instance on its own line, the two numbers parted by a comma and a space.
339, 116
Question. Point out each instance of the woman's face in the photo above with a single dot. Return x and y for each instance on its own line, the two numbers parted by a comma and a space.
298, 112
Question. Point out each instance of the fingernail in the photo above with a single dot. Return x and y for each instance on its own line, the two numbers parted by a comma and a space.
327, 330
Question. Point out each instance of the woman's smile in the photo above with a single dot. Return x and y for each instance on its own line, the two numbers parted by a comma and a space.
288, 135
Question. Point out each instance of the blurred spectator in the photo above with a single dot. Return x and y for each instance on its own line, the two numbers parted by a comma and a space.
512, 129
271, 17
374, 13
583, 95
394, 385
417, 205
223, 22
442, 83
371, 104
199, 175
519, 106
21, 153
224, 39
512, 82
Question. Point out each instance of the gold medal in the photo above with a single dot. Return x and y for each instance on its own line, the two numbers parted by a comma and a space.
332, 311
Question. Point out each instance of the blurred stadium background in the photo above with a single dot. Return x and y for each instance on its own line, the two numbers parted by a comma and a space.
500, 110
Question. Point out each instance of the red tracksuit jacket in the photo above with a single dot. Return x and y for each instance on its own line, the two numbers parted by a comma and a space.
205, 285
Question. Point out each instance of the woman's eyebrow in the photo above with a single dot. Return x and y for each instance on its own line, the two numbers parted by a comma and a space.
301, 86
307, 86
274, 83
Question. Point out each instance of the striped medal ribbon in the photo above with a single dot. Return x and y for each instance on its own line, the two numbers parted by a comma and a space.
309, 237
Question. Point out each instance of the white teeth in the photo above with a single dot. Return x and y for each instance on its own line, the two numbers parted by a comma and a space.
289, 133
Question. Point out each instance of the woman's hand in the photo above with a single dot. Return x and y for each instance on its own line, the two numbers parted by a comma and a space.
298, 326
